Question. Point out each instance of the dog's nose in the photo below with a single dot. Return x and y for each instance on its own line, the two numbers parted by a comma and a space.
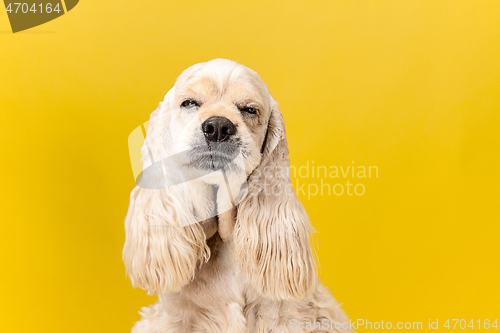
218, 129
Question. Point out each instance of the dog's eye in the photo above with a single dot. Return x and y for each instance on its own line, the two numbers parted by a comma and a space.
190, 103
248, 110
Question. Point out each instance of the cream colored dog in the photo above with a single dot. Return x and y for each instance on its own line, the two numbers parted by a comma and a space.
214, 227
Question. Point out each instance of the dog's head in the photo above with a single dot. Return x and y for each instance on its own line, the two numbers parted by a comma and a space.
219, 110
218, 124
214, 118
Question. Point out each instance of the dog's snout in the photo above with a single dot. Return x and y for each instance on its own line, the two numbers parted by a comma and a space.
218, 129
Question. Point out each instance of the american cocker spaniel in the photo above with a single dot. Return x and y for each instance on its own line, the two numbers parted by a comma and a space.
214, 227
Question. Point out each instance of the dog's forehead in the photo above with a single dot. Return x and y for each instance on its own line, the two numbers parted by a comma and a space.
209, 89
236, 83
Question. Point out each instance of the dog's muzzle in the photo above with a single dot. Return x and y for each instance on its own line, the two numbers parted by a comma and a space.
220, 147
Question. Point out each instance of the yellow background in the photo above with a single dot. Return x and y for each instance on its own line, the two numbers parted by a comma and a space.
412, 87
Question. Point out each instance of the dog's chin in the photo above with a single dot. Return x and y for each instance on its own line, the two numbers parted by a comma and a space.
213, 162
214, 156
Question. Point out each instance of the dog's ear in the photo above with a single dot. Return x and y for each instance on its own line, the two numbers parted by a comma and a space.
164, 244
272, 230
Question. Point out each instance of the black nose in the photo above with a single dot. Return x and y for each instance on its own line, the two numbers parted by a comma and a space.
218, 129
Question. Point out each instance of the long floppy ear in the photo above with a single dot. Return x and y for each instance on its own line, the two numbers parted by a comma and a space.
163, 245
272, 229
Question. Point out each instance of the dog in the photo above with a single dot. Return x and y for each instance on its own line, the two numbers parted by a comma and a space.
214, 227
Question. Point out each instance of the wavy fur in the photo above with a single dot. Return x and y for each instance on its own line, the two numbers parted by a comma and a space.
162, 246
272, 230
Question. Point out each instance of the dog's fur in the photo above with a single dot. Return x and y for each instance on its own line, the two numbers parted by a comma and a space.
226, 250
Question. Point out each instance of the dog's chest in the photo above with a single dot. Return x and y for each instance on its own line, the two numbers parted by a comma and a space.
215, 299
